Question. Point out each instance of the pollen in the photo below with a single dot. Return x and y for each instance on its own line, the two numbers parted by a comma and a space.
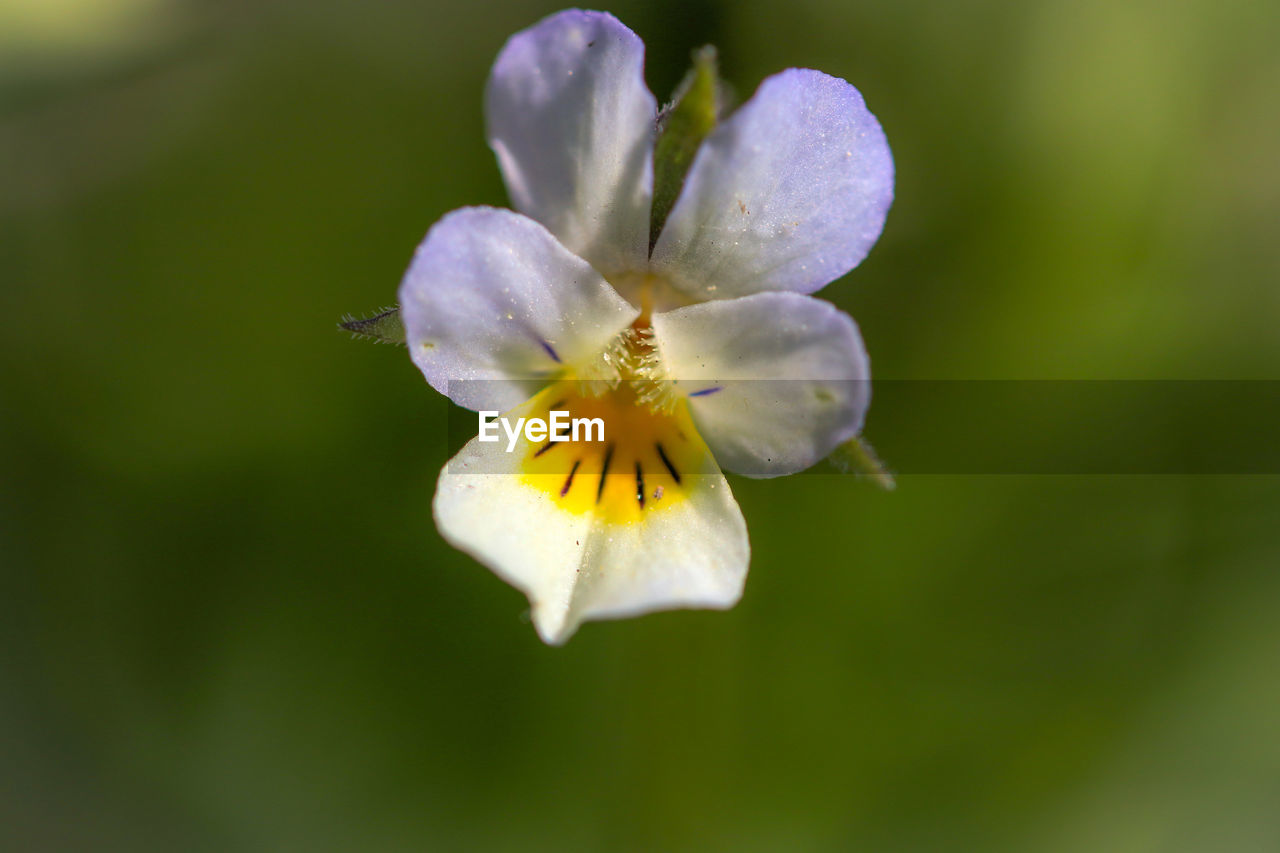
646, 462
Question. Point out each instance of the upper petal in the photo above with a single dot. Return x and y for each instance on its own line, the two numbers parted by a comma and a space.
572, 124
774, 381
789, 193
490, 295
580, 549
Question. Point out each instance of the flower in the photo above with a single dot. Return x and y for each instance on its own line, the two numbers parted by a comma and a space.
704, 353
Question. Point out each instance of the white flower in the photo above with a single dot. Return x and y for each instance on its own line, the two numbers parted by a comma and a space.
706, 351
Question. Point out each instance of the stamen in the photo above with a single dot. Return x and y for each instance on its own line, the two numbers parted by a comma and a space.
631, 358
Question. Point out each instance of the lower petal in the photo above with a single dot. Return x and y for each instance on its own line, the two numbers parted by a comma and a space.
639, 521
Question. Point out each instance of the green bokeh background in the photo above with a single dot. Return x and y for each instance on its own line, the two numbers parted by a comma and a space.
228, 622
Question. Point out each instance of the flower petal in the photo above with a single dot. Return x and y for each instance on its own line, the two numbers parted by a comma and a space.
789, 193
572, 124
574, 562
491, 295
774, 381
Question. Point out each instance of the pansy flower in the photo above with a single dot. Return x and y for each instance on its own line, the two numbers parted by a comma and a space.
698, 348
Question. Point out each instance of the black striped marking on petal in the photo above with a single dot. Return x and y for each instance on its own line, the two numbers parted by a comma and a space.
564, 490
604, 471
662, 454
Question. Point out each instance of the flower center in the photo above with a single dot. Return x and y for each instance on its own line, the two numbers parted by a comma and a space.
646, 461
649, 293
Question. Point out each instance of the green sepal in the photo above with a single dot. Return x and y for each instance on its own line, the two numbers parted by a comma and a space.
383, 327
856, 456
682, 125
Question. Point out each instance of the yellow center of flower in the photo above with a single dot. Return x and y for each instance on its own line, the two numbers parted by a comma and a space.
647, 460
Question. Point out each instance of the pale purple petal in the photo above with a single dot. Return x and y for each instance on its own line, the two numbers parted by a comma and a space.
774, 381
789, 193
572, 124
493, 307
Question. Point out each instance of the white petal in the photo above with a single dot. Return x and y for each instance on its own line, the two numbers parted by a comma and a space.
493, 306
789, 193
775, 381
580, 565
572, 124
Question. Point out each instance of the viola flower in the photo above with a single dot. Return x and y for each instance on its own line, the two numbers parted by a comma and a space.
700, 353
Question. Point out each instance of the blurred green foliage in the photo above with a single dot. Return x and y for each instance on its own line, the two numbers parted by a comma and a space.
229, 624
